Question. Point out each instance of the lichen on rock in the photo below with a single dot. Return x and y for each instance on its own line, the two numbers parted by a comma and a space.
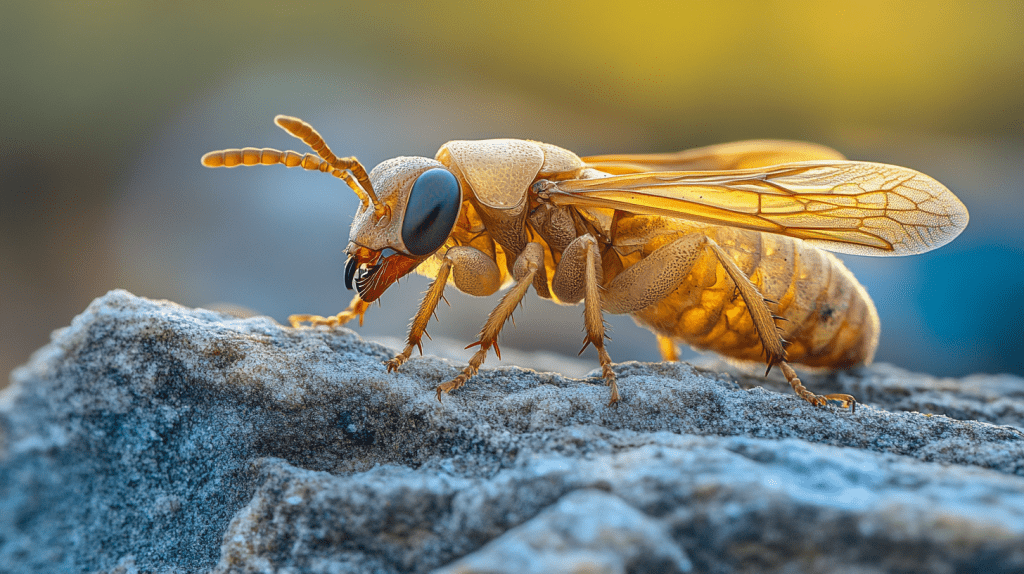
151, 437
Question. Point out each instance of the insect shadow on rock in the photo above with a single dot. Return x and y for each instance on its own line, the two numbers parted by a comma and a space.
723, 247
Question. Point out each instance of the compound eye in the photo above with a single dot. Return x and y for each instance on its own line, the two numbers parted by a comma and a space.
430, 214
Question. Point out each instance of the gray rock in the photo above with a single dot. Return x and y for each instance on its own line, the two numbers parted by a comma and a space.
151, 437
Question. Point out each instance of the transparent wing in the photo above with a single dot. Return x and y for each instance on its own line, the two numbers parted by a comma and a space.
843, 206
735, 155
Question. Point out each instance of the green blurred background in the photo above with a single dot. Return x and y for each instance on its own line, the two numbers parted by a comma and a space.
107, 108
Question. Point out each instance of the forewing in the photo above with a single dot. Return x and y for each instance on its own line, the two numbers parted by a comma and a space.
727, 156
842, 206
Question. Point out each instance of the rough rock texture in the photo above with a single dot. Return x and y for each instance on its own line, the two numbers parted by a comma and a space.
151, 437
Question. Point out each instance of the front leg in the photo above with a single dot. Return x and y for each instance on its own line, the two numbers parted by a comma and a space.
529, 262
475, 274
356, 308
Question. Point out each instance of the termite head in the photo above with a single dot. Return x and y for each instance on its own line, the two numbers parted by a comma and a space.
418, 204
407, 205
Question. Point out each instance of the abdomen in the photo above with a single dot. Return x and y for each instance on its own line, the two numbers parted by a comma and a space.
830, 320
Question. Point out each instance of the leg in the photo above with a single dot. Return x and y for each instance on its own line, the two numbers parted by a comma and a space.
667, 348
475, 274
816, 400
654, 277
764, 323
579, 276
418, 328
661, 272
526, 267
357, 308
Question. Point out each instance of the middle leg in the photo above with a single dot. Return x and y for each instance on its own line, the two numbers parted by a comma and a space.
578, 276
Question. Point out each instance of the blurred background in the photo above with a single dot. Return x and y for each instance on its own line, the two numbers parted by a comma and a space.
107, 108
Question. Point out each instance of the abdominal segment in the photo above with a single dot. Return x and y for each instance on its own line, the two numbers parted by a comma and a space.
828, 319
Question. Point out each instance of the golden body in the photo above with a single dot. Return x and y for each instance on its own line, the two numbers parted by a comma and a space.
716, 247
830, 320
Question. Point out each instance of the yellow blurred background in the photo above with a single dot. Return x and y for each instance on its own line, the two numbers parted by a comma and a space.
108, 106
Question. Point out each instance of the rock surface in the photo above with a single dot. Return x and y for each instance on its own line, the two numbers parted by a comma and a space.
151, 437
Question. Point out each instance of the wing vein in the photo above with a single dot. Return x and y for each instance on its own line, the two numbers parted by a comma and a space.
844, 206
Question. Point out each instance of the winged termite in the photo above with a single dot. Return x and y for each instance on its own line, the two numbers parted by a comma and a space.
719, 247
